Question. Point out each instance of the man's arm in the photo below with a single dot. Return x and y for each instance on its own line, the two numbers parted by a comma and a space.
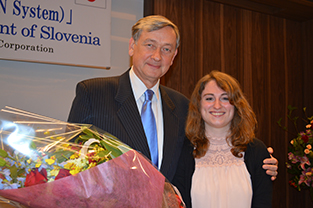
271, 165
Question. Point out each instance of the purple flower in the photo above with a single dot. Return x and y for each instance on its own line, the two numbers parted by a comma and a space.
292, 157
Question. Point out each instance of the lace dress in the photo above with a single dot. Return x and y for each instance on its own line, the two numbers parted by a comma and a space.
221, 180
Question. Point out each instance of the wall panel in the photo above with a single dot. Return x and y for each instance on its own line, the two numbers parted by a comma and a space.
270, 56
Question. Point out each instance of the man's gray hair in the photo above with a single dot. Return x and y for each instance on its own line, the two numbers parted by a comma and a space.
152, 23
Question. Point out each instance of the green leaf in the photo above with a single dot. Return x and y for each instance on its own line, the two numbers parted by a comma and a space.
290, 108
114, 152
13, 170
20, 172
295, 118
2, 162
85, 137
62, 155
279, 122
103, 154
32, 145
87, 131
3, 153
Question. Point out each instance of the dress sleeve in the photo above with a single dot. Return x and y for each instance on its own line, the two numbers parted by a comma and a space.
261, 182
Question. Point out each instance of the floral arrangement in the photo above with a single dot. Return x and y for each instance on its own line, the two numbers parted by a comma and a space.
300, 154
49, 163
41, 166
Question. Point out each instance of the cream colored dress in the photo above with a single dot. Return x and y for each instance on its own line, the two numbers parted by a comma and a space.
221, 180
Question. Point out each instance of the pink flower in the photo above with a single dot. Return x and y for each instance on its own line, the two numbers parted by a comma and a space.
306, 177
304, 160
302, 179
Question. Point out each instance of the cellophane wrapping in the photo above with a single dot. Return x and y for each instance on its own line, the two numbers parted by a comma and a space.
45, 162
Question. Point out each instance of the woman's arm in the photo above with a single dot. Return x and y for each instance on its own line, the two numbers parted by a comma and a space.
262, 184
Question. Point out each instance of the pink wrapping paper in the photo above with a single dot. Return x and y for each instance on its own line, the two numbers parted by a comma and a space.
126, 181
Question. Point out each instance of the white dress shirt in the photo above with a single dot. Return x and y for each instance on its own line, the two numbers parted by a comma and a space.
139, 89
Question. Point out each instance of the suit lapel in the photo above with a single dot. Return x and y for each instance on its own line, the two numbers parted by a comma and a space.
130, 117
171, 127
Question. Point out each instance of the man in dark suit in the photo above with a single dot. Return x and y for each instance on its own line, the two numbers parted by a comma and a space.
114, 104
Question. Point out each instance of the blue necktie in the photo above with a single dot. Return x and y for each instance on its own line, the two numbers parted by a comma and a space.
149, 125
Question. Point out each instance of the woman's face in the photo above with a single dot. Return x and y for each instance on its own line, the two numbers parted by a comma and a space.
215, 108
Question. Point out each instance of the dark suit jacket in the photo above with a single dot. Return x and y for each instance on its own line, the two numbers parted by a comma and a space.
109, 104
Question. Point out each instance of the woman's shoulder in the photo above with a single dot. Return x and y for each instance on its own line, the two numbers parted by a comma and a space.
256, 143
256, 148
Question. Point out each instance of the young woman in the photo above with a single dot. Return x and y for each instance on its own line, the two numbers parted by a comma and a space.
226, 155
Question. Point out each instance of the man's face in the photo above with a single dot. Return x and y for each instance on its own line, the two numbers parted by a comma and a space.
153, 54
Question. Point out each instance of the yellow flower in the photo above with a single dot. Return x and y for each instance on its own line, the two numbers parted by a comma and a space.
47, 133
65, 145
75, 170
74, 156
308, 126
55, 171
309, 146
68, 166
291, 142
93, 164
306, 151
51, 160
38, 163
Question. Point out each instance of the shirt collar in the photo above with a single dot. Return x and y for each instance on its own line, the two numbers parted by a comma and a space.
139, 87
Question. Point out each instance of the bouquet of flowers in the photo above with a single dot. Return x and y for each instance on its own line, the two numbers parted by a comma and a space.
45, 162
300, 155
